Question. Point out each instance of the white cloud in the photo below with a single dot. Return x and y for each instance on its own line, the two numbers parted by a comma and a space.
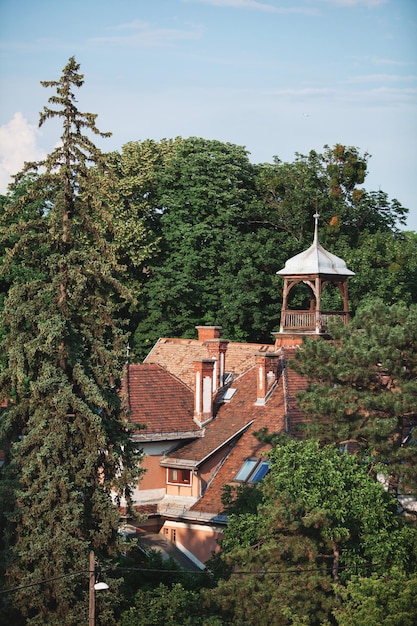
381, 78
17, 145
381, 61
255, 5
354, 3
142, 34
240, 4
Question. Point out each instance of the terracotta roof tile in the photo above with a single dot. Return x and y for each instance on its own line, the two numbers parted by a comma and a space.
272, 416
178, 355
231, 418
164, 400
158, 400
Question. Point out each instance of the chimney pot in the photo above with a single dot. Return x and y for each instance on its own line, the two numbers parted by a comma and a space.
216, 349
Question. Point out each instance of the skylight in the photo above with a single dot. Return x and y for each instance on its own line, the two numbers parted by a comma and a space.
252, 471
260, 472
228, 394
246, 469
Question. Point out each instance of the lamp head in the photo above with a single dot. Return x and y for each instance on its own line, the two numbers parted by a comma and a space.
101, 586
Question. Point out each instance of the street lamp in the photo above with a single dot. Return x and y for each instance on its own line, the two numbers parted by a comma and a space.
93, 587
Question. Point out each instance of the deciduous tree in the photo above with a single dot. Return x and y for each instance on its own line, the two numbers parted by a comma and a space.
225, 226
387, 599
217, 261
321, 519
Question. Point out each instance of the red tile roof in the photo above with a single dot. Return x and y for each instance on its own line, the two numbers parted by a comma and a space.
271, 415
158, 400
231, 418
161, 395
178, 355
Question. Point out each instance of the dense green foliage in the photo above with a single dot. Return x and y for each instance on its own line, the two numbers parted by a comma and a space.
379, 600
318, 543
169, 606
201, 232
214, 264
363, 388
63, 431
222, 227
321, 521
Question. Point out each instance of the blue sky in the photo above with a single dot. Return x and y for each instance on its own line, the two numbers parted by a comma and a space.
275, 76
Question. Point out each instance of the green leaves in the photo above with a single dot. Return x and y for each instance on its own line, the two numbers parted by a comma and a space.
222, 228
363, 389
379, 600
317, 521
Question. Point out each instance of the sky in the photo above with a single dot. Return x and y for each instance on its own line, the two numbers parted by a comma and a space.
279, 77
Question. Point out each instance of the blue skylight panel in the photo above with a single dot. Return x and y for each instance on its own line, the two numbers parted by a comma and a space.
246, 469
260, 472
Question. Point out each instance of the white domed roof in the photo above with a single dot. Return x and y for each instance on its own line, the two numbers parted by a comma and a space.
315, 260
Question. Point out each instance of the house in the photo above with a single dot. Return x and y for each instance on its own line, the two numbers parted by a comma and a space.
200, 414
201, 401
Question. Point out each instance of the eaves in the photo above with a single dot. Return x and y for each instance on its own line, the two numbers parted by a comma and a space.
168, 436
171, 461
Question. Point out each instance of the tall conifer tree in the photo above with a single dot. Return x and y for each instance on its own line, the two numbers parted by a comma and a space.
66, 442
363, 388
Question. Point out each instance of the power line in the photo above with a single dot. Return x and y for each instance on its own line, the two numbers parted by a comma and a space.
193, 572
41, 582
246, 572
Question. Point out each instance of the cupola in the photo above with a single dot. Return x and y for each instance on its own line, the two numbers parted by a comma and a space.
316, 268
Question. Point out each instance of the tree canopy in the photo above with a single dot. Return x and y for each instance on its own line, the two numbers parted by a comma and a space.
319, 521
201, 232
222, 227
379, 600
64, 434
213, 264
363, 387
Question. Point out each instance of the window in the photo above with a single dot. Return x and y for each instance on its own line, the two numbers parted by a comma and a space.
179, 476
246, 469
260, 472
228, 394
252, 471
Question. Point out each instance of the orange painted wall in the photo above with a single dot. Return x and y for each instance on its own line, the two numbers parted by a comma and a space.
154, 477
201, 542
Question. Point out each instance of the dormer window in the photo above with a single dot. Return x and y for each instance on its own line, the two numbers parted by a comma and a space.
179, 476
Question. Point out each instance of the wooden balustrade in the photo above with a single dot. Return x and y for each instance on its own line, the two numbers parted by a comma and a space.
316, 321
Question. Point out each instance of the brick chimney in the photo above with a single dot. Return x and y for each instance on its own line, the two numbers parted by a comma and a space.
208, 332
203, 399
216, 349
266, 376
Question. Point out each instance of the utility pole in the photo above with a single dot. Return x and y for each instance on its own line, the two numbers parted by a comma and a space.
92, 581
